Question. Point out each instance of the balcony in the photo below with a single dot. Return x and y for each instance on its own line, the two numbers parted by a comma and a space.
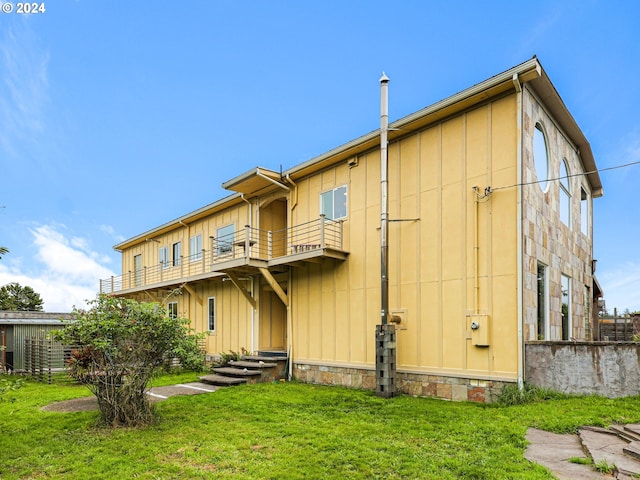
243, 252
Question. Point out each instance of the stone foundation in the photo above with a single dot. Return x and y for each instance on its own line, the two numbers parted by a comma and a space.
421, 385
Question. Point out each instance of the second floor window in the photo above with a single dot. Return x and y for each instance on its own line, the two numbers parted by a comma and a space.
333, 203
163, 257
565, 194
195, 248
224, 239
177, 253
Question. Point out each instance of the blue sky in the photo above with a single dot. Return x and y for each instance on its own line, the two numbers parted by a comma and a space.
116, 117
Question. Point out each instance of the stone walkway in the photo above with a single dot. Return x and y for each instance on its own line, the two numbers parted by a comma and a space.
614, 445
156, 394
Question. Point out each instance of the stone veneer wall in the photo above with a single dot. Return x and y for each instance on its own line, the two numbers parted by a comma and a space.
421, 385
564, 249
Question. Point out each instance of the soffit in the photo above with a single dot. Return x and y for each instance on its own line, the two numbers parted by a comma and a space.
255, 182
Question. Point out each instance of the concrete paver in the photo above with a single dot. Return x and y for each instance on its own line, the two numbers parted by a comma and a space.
554, 451
608, 447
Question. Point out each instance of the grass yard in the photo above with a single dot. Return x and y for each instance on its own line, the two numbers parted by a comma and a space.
288, 431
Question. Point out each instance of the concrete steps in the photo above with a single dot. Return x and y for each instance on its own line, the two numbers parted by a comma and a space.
250, 369
617, 445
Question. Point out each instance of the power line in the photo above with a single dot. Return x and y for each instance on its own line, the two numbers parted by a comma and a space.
566, 176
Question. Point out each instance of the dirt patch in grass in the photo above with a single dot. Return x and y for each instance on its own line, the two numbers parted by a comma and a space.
84, 404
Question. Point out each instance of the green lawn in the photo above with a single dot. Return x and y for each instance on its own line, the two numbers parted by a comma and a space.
288, 431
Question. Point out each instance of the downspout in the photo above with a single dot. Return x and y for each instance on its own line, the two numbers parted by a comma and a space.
290, 287
476, 247
253, 310
518, 87
295, 192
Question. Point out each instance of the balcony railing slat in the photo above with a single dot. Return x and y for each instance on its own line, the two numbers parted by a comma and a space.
246, 243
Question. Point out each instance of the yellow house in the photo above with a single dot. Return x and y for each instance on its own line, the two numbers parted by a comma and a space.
490, 246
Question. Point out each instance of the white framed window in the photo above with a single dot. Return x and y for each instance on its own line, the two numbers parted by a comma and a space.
565, 285
541, 156
195, 248
565, 194
172, 309
333, 203
224, 239
177, 253
543, 302
163, 256
584, 211
211, 314
137, 266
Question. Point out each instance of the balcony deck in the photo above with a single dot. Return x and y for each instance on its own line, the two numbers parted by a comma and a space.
241, 253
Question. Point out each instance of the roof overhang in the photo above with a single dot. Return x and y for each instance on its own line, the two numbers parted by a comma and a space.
530, 72
254, 182
549, 96
180, 222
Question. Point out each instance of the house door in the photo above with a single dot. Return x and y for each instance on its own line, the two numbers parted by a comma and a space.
273, 321
273, 219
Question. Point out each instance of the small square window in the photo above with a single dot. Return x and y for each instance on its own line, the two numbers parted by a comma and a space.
333, 203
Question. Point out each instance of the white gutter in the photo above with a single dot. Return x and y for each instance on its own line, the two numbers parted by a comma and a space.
519, 252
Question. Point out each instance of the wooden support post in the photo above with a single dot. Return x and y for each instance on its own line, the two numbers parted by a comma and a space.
192, 292
275, 285
236, 281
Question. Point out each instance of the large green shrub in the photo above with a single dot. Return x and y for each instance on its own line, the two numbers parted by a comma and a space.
120, 344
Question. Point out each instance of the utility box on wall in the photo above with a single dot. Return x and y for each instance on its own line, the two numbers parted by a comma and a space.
478, 323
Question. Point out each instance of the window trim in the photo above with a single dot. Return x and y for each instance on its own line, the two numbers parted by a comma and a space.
543, 183
585, 209
228, 245
565, 192
197, 255
176, 259
211, 300
164, 262
566, 332
545, 307
333, 191
171, 314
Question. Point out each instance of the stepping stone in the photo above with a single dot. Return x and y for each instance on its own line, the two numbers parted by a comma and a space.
625, 434
222, 380
239, 372
633, 450
608, 447
247, 364
263, 358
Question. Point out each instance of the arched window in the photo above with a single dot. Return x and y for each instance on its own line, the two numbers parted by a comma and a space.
565, 194
540, 156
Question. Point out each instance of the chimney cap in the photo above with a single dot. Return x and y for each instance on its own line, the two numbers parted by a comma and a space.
384, 78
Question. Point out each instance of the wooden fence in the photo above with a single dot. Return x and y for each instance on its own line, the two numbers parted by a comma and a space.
619, 328
43, 357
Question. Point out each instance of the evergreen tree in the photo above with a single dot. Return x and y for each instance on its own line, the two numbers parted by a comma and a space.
14, 296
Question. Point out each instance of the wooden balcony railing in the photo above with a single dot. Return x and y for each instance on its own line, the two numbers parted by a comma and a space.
247, 243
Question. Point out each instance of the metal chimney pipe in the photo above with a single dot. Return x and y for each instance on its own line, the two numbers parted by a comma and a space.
384, 199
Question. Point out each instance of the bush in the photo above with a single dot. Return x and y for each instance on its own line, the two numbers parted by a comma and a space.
512, 395
122, 343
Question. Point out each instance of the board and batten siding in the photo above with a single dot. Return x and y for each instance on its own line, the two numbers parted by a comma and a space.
335, 306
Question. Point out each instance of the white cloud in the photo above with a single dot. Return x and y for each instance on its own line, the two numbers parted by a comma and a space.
621, 287
109, 230
67, 272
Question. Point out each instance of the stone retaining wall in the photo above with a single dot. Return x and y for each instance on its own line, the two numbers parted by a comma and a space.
610, 369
